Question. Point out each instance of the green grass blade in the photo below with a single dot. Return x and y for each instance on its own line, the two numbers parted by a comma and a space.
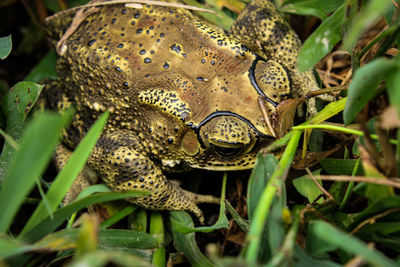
100, 258
321, 41
48, 225
393, 85
350, 244
117, 238
263, 170
222, 221
157, 230
316, 8
243, 223
96, 188
364, 85
327, 112
118, 216
139, 221
365, 19
37, 144
186, 243
67, 175
10, 247
253, 239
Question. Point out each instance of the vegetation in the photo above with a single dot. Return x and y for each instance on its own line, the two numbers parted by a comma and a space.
327, 193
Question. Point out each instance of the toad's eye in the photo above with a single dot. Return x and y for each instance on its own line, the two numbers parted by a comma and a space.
227, 152
271, 80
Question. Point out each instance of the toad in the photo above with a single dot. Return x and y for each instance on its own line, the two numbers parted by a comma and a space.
181, 94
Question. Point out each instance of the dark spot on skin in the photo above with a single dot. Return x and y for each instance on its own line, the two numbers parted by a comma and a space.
170, 140
91, 42
166, 66
124, 11
120, 45
203, 61
133, 22
113, 20
200, 79
147, 60
118, 69
212, 62
162, 35
142, 52
126, 84
176, 48
136, 16
139, 31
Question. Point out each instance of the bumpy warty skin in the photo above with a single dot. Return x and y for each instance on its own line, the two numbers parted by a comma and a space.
180, 93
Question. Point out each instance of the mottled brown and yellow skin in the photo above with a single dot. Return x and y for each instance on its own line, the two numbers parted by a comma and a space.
180, 93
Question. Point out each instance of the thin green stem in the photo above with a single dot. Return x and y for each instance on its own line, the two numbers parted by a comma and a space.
338, 129
253, 239
9, 139
350, 186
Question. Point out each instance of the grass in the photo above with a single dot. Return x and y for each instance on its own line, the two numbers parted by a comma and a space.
288, 216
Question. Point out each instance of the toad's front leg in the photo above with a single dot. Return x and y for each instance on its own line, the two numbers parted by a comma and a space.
121, 161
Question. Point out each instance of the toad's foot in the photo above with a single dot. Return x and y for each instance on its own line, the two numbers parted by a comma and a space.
124, 165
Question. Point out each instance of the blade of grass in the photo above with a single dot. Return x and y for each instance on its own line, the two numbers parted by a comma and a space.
321, 41
67, 175
364, 19
48, 225
337, 128
101, 258
36, 147
350, 244
222, 221
327, 112
284, 257
364, 86
118, 216
262, 171
186, 243
350, 187
11, 247
253, 239
96, 188
157, 230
